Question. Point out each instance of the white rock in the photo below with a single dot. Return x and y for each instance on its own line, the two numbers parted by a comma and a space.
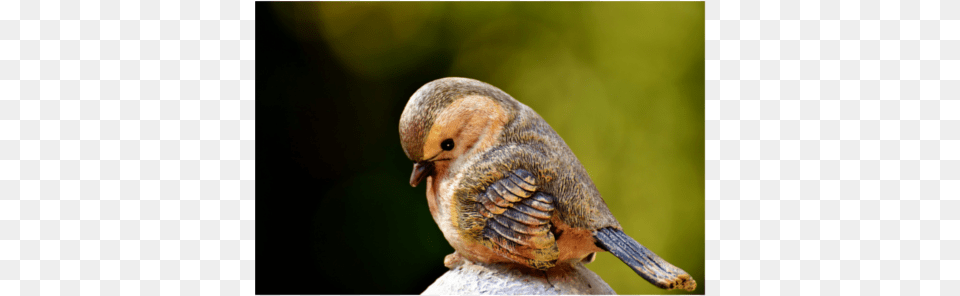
498, 279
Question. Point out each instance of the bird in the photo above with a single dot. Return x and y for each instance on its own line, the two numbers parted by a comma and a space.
504, 187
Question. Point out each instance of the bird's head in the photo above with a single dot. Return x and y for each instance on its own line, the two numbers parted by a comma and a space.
451, 119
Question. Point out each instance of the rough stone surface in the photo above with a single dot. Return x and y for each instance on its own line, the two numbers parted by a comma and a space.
499, 279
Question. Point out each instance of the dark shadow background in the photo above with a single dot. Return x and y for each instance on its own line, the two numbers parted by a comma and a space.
622, 83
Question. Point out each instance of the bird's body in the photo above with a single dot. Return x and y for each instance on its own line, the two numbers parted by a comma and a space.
504, 187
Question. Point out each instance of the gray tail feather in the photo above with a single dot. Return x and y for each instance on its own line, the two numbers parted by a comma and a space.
643, 261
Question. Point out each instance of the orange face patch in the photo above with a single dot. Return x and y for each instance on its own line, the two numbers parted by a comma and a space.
472, 122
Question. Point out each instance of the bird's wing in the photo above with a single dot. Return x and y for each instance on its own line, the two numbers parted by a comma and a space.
517, 218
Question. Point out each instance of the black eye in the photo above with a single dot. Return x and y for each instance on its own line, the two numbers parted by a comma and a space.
447, 144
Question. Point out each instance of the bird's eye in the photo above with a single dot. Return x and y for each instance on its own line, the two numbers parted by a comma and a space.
447, 144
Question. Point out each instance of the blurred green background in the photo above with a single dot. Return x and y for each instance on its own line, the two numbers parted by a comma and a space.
621, 82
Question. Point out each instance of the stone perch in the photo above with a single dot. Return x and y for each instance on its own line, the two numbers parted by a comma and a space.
471, 278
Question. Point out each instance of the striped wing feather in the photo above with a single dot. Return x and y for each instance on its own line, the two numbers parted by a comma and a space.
518, 220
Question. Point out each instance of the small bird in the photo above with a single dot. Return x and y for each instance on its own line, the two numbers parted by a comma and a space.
504, 187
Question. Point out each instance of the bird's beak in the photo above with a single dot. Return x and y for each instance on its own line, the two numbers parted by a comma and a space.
420, 171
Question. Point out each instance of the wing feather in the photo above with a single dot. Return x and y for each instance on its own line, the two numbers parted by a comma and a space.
539, 205
518, 220
528, 210
490, 205
521, 227
495, 194
527, 187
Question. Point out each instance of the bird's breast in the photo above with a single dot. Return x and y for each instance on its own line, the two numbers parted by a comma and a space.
442, 208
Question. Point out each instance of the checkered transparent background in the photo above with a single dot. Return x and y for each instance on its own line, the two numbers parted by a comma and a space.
127, 147
833, 147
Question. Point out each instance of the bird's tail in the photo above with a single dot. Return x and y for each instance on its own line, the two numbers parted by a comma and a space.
643, 261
